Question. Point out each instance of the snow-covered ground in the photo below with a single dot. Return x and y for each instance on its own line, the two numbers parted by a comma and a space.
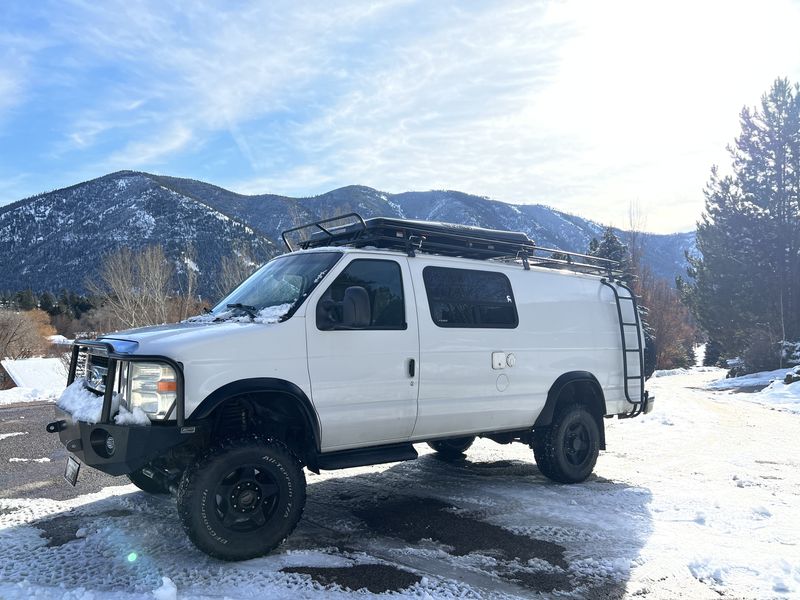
697, 500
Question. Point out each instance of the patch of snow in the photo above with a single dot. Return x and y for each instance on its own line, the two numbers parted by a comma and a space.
135, 417
17, 395
37, 460
59, 340
268, 315
190, 264
273, 314
4, 436
167, 591
82, 404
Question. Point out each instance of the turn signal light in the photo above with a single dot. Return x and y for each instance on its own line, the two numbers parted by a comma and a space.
167, 386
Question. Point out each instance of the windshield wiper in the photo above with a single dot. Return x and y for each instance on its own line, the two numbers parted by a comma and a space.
250, 310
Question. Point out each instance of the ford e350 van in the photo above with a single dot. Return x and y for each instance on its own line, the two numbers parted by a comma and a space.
367, 337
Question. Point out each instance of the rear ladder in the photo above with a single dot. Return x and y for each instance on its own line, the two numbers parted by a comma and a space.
630, 326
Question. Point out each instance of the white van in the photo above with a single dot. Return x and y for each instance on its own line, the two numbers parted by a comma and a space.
372, 336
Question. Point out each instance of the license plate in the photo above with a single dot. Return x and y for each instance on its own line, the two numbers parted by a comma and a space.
71, 471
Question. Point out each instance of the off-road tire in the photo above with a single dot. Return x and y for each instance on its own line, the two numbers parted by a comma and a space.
452, 448
567, 450
260, 474
147, 484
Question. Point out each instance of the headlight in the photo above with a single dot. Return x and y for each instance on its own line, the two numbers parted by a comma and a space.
152, 387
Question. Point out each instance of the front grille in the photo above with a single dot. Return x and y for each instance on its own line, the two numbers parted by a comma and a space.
80, 365
100, 361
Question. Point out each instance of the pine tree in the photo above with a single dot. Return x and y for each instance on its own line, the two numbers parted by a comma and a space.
747, 282
47, 302
26, 300
610, 247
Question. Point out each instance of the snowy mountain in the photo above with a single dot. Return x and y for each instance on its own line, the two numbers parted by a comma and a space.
57, 239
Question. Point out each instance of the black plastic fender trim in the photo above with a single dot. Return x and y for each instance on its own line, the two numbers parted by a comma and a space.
546, 416
258, 385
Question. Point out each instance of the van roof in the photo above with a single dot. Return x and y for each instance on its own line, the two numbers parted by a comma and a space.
444, 239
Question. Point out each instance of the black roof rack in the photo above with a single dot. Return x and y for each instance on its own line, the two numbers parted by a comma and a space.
445, 239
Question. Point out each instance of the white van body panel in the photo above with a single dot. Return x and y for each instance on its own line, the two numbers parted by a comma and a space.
216, 354
567, 322
360, 382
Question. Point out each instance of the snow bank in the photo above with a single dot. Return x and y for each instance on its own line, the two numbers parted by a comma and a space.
776, 393
670, 372
754, 379
82, 404
41, 373
780, 395
673, 372
18, 394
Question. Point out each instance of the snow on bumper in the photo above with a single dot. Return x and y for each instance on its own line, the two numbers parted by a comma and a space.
131, 446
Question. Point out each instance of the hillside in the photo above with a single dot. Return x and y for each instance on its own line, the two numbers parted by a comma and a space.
57, 239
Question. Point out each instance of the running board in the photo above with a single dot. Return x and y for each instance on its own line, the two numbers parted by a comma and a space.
360, 457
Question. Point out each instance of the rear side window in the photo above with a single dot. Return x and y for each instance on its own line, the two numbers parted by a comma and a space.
467, 298
383, 282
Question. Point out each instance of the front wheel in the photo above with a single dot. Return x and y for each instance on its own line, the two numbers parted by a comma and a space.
567, 450
243, 498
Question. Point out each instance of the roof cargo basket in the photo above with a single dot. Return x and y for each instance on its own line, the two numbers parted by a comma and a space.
445, 239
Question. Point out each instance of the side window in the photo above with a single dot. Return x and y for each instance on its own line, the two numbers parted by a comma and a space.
383, 283
467, 298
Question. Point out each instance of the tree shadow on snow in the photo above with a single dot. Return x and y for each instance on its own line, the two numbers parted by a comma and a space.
498, 527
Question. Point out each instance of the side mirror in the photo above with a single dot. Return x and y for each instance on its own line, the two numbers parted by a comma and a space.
356, 311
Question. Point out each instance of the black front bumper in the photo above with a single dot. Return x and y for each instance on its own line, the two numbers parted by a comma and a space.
134, 446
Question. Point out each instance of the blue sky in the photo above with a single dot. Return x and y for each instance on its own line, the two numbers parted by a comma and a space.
585, 106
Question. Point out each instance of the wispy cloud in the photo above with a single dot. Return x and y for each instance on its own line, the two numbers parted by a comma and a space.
580, 105
152, 150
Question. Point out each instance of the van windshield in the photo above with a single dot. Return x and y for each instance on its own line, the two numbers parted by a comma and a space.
276, 290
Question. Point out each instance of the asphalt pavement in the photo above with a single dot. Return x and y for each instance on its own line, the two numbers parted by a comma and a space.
32, 461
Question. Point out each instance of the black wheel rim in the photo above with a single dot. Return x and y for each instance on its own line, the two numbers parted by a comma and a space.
577, 444
246, 498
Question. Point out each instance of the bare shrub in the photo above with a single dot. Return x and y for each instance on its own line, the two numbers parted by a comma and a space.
233, 270
136, 286
20, 335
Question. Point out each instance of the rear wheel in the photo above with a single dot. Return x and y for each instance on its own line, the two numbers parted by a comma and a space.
151, 485
567, 450
452, 448
243, 498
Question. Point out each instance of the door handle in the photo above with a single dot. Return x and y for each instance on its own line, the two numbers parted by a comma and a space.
412, 367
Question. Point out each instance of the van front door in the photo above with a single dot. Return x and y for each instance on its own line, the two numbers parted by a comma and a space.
363, 349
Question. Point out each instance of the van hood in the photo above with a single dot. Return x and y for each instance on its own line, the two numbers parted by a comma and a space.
175, 339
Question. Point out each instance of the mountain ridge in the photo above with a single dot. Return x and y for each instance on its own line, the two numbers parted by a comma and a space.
56, 239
